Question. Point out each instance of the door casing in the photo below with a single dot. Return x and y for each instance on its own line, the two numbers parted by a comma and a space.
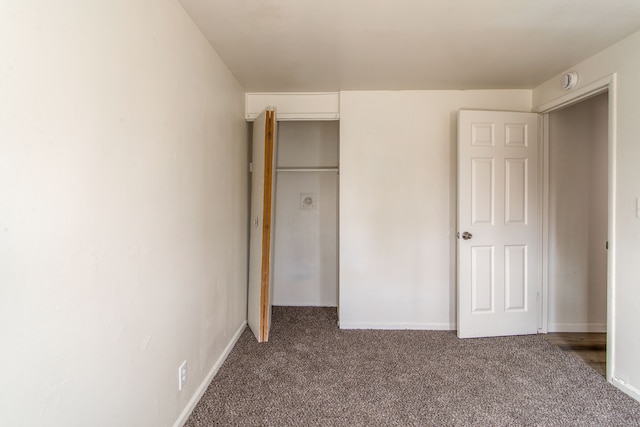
606, 84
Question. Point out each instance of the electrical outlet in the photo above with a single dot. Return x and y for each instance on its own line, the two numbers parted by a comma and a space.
182, 375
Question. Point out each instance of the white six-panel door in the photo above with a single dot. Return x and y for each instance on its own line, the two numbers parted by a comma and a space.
497, 223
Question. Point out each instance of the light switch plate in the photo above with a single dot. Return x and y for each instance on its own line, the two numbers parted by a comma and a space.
182, 375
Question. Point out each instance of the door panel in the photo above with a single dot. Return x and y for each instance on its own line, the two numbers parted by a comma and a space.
482, 279
515, 277
482, 191
516, 191
498, 209
261, 234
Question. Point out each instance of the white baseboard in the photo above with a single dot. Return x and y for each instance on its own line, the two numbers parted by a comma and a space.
182, 419
627, 388
303, 304
577, 327
400, 326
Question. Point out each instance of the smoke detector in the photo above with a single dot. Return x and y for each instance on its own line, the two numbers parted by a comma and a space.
569, 80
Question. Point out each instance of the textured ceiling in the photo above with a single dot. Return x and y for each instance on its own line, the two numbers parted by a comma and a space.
331, 45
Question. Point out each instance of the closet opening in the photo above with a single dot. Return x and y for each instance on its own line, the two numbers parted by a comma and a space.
306, 214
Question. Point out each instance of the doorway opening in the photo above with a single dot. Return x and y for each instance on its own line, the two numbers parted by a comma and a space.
306, 214
578, 228
293, 230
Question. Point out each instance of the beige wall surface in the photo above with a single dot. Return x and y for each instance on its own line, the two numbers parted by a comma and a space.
624, 239
123, 211
398, 204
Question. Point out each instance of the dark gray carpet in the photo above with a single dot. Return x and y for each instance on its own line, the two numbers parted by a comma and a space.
313, 374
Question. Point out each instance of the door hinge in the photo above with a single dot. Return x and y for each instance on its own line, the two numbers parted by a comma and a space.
250, 167
606, 245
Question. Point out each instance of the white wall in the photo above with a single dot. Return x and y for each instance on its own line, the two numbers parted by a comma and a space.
306, 240
308, 144
624, 243
578, 217
398, 204
123, 211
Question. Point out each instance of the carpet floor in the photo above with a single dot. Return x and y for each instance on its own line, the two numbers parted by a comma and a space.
311, 373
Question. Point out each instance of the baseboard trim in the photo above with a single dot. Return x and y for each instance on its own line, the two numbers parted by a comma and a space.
400, 326
294, 304
626, 388
577, 327
182, 419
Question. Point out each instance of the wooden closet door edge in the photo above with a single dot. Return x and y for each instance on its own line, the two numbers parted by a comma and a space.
266, 226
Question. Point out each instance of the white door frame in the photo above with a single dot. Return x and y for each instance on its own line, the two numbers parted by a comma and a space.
606, 84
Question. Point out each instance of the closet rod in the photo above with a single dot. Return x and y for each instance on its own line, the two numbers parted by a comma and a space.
307, 170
